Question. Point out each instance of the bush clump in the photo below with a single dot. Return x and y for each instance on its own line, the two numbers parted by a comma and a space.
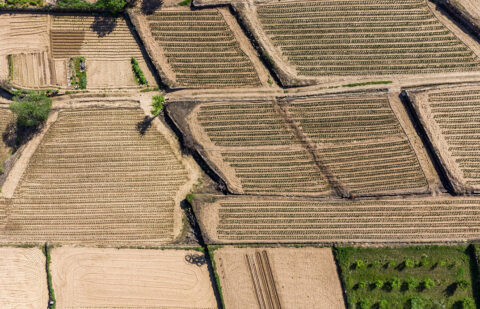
157, 104
139, 76
31, 110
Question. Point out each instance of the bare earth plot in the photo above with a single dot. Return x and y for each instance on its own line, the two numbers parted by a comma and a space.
451, 118
279, 278
126, 278
472, 6
23, 282
107, 45
196, 49
94, 179
321, 41
25, 39
393, 220
350, 144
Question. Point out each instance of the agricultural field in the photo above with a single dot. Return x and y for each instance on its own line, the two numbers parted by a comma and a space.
274, 278
94, 179
129, 278
347, 144
332, 40
408, 277
451, 117
5, 120
23, 281
197, 49
244, 219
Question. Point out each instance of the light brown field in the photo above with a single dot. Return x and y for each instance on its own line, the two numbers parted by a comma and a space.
127, 278
23, 280
237, 219
472, 6
450, 116
348, 144
295, 277
95, 179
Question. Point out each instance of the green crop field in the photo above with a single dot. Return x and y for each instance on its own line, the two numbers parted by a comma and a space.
409, 277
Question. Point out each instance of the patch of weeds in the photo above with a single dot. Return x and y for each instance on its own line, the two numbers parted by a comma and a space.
380, 82
157, 104
139, 76
185, 2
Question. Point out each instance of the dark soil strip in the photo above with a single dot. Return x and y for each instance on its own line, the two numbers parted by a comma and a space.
439, 168
192, 220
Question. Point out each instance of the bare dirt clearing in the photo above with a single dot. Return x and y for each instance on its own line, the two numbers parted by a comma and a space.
472, 6
389, 220
279, 278
127, 278
23, 282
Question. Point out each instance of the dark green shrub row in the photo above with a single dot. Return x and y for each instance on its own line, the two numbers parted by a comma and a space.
11, 4
51, 294
139, 76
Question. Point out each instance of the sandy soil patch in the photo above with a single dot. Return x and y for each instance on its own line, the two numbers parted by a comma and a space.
279, 278
472, 6
129, 278
23, 281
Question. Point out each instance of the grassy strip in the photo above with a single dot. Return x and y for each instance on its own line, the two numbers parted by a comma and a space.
380, 82
211, 250
10, 67
21, 4
139, 76
407, 277
113, 6
198, 248
79, 77
52, 303
474, 251
185, 2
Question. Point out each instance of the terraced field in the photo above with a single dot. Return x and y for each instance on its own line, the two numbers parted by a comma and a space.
95, 179
350, 144
201, 49
75, 36
360, 141
451, 117
255, 149
369, 38
247, 219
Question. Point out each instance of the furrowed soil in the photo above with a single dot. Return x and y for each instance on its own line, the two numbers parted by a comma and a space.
279, 278
129, 278
23, 281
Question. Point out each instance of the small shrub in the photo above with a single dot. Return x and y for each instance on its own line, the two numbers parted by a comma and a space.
359, 264
409, 263
185, 2
362, 284
412, 283
190, 197
10, 67
463, 284
460, 272
365, 304
468, 303
378, 284
428, 283
416, 303
396, 283
383, 304
157, 104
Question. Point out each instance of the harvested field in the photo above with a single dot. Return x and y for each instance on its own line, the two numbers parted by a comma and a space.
451, 118
23, 281
107, 45
352, 38
278, 278
32, 70
94, 179
393, 220
352, 144
126, 278
201, 49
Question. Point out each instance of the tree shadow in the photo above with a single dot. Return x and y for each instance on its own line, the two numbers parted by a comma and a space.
15, 136
103, 25
144, 125
150, 6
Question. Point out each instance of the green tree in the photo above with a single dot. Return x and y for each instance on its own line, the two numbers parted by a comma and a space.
359, 264
409, 263
383, 304
396, 283
428, 283
412, 283
157, 104
114, 6
468, 303
378, 284
31, 110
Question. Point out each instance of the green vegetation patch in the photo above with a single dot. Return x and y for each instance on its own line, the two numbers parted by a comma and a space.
185, 2
139, 76
52, 303
10, 67
78, 70
211, 250
21, 3
409, 277
157, 104
379, 82
113, 6
32, 109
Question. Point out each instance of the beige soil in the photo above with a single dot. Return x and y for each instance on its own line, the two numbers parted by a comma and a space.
23, 281
303, 278
128, 278
247, 48
472, 6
